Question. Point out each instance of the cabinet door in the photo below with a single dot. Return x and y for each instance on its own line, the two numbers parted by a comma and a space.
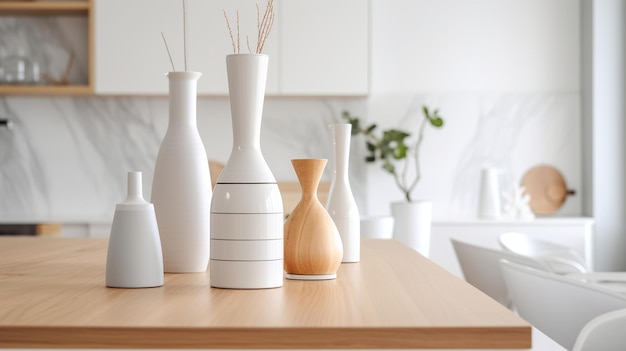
131, 58
324, 47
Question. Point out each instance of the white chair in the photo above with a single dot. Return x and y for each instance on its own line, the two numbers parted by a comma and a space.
555, 304
605, 332
481, 268
562, 259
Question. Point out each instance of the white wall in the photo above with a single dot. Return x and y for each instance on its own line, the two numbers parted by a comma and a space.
506, 77
475, 46
605, 91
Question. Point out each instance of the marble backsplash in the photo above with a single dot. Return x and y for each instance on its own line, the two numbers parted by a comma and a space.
66, 157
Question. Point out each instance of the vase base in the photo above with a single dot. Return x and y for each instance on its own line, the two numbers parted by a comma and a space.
310, 276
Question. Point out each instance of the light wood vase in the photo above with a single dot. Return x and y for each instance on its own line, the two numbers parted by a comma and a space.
313, 248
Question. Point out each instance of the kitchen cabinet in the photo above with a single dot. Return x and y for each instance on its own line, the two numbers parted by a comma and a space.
325, 47
50, 8
315, 47
573, 232
131, 57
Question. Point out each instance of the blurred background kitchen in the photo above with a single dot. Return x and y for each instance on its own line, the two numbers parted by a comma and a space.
519, 83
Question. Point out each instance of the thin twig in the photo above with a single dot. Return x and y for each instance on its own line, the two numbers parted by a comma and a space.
230, 31
185, 34
238, 34
266, 26
168, 52
248, 43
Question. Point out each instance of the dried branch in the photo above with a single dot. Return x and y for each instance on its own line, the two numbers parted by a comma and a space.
168, 52
263, 28
185, 34
238, 34
230, 31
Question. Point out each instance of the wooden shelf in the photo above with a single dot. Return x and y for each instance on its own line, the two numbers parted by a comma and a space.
44, 8
51, 8
45, 90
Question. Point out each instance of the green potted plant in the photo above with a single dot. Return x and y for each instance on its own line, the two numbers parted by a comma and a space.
401, 159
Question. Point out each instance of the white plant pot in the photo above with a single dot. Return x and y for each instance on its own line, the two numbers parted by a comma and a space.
412, 222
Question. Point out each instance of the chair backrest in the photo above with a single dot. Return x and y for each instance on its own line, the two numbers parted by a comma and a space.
481, 268
605, 332
555, 304
561, 259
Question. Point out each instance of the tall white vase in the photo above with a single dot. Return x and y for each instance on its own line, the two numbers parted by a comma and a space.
181, 189
247, 209
341, 204
134, 256
412, 223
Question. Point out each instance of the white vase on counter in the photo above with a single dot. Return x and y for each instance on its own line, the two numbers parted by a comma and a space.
181, 189
412, 224
246, 209
341, 204
134, 256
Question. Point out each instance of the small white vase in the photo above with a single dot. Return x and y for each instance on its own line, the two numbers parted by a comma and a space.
341, 204
490, 206
412, 222
181, 189
134, 257
246, 209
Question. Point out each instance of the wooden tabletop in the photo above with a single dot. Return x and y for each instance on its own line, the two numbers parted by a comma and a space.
52, 295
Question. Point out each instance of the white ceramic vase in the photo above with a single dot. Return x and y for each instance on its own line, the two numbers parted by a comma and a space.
181, 189
412, 223
134, 257
246, 209
490, 206
341, 204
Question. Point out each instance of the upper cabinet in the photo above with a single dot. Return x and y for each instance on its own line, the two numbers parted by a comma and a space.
324, 47
316, 47
30, 60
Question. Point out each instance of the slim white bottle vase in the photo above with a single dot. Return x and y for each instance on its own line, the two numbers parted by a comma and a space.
181, 189
247, 209
134, 258
340, 203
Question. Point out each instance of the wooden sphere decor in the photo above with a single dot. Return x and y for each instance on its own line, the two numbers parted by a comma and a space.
313, 248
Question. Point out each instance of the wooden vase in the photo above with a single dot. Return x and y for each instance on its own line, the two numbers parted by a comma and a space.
313, 248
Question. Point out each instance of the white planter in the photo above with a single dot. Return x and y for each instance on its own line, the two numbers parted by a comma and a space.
341, 204
181, 189
246, 209
412, 223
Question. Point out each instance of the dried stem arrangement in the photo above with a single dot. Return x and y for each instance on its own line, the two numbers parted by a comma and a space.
264, 26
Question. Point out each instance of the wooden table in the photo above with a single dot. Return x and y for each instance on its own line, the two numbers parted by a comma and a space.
52, 295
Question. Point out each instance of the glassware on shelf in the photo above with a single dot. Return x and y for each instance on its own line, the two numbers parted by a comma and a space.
19, 69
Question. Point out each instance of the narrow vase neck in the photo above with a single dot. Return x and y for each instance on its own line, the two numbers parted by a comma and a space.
247, 76
309, 173
341, 134
183, 96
